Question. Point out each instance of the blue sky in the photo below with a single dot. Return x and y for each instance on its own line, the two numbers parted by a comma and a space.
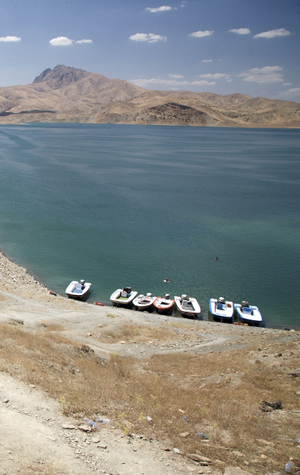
221, 46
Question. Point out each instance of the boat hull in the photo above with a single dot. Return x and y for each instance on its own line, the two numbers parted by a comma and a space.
222, 311
188, 308
250, 315
117, 299
77, 291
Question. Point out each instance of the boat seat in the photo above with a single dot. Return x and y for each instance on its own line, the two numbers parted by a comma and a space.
77, 290
186, 304
220, 306
247, 310
124, 294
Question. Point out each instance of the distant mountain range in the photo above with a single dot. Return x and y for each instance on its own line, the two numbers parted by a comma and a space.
66, 94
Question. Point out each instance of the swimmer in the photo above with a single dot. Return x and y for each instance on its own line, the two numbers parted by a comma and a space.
217, 258
166, 280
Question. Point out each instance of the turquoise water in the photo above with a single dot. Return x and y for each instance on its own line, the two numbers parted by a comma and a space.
124, 205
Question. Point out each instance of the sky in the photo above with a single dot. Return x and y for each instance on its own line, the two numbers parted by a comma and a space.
220, 46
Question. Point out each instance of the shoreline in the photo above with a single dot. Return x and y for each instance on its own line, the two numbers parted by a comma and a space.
14, 278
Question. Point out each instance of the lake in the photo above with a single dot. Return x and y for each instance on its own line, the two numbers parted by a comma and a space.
122, 205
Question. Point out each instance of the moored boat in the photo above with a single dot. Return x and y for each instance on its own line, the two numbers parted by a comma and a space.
221, 309
164, 304
78, 290
187, 307
144, 302
123, 297
248, 313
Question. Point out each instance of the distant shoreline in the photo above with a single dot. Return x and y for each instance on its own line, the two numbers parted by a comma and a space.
234, 126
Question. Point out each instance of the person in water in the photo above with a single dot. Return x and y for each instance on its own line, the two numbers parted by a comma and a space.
166, 280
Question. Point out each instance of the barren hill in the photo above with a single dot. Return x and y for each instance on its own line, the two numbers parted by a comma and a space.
67, 94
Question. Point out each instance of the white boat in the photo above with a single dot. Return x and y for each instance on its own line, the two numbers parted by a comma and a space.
188, 307
248, 313
221, 309
144, 302
123, 296
164, 304
78, 290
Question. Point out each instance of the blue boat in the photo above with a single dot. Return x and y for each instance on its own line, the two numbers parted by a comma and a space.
248, 313
222, 310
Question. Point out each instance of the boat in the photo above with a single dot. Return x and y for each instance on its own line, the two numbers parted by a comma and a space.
221, 309
123, 297
144, 302
78, 290
248, 313
187, 307
164, 304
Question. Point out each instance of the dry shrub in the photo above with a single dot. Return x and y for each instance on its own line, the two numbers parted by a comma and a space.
171, 397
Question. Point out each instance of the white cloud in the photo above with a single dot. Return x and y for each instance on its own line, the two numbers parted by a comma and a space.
241, 31
159, 9
169, 82
147, 37
81, 42
64, 41
203, 83
61, 41
10, 39
176, 76
201, 34
207, 60
291, 94
266, 75
273, 33
215, 76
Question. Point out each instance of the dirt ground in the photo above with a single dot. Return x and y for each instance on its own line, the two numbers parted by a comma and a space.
37, 438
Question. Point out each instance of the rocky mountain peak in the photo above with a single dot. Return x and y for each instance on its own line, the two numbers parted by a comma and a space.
60, 76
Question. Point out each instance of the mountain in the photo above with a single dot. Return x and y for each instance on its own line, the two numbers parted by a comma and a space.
66, 94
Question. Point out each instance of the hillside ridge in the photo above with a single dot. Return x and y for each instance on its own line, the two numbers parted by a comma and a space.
68, 94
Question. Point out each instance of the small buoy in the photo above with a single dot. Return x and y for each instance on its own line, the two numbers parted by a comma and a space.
217, 258
98, 303
52, 293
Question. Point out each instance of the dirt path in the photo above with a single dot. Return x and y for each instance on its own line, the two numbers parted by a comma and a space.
36, 438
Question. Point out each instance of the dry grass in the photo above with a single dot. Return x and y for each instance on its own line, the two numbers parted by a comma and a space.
128, 332
218, 394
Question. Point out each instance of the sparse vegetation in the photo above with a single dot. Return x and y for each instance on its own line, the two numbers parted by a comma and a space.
205, 403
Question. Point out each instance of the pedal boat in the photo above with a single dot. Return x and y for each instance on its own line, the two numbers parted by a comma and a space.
187, 307
164, 304
221, 309
78, 290
123, 297
248, 313
144, 302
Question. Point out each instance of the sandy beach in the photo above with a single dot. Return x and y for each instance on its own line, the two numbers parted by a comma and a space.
36, 434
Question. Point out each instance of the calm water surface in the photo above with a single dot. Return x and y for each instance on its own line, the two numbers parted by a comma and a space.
130, 205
